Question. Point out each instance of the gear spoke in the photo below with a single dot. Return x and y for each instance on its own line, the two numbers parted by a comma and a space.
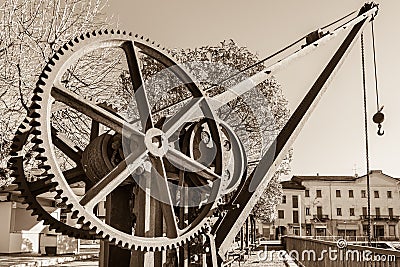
189, 111
87, 107
166, 203
74, 175
94, 130
113, 179
188, 164
66, 146
138, 86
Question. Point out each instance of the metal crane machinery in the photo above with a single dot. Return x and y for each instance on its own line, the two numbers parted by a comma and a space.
142, 171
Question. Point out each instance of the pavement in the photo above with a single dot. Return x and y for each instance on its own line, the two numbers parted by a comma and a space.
255, 259
89, 259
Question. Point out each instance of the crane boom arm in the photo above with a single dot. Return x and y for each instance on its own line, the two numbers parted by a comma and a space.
249, 83
227, 227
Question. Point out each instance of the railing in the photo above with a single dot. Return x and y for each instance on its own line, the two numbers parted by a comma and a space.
316, 253
380, 217
335, 238
350, 238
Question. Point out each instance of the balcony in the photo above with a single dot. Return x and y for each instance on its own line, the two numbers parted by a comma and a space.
320, 218
381, 217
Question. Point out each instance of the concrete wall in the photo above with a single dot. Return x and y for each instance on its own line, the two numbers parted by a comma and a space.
5, 211
21, 232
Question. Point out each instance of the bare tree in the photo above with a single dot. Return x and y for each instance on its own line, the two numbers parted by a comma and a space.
30, 32
256, 117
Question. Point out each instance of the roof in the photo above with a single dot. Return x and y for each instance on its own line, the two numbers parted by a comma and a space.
292, 185
300, 179
331, 178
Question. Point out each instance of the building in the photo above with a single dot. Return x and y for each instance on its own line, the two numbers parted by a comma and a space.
20, 232
337, 206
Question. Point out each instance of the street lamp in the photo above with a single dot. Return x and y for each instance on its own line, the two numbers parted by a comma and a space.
345, 235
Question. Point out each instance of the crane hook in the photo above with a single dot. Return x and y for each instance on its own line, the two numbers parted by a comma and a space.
380, 132
378, 118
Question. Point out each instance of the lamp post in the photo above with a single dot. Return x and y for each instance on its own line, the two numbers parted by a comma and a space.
345, 235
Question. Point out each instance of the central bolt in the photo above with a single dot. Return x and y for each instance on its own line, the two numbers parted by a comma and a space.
156, 142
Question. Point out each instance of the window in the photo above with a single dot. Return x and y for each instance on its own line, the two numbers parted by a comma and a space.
339, 211
295, 202
319, 193
319, 212
281, 214
338, 193
377, 212
392, 230
351, 194
307, 211
307, 193
296, 230
376, 194
390, 212
364, 211
352, 212
389, 194
365, 230
284, 199
295, 216
363, 194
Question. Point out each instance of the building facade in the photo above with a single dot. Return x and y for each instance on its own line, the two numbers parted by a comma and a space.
337, 206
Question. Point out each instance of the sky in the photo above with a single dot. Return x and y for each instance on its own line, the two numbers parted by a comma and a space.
333, 140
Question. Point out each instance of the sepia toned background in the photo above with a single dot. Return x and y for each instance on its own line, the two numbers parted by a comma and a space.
332, 142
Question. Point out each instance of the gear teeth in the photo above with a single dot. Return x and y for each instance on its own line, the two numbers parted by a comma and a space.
68, 209
34, 115
34, 123
58, 195
75, 214
38, 148
81, 220
40, 158
36, 126
36, 140
44, 166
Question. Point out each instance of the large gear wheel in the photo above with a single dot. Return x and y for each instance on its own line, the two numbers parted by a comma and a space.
154, 143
